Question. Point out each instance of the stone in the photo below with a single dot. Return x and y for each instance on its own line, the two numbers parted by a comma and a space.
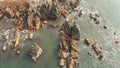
67, 19
62, 62
17, 37
96, 48
80, 13
62, 54
4, 48
117, 41
30, 35
90, 53
75, 31
35, 52
89, 41
45, 22
1, 15
18, 52
105, 27
71, 63
7, 37
9, 12
101, 57
74, 54
49, 10
66, 28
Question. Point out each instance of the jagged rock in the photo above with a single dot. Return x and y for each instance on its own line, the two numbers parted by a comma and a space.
74, 54
80, 13
96, 48
49, 10
30, 35
62, 62
66, 28
37, 23
71, 63
89, 41
74, 3
101, 57
90, 53
62, 54
9, 12
35, 52
75, 31
17, 37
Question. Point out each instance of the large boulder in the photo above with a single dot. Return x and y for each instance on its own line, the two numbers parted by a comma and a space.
35, 52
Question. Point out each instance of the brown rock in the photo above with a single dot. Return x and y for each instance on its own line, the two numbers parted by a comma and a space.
17, 37
9, 13
62, 62
18, 52
1, 15
96, 48
75, 31
101, 57
117, 41
30, 35
45, 22
89, 41
62, 54
35, 52
90, 53
4, 48
74, 54
7, 37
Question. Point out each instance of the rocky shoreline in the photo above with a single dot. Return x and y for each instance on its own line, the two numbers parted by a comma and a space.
31, 16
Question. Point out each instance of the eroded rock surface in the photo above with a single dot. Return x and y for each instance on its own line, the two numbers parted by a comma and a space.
35, 52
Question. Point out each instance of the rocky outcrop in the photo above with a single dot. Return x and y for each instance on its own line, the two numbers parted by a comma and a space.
17, 37
35, 52
68, 52
97, 49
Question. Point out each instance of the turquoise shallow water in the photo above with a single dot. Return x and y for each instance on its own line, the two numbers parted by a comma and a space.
48, 40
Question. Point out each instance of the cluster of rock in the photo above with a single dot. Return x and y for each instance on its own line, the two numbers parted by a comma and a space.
97, 49
95, 17
29, 16
68, 52
35, 52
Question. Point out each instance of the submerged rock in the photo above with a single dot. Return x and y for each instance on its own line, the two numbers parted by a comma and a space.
96, 48
30, 35
4, 48
18, 52
101, 57
35, 52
